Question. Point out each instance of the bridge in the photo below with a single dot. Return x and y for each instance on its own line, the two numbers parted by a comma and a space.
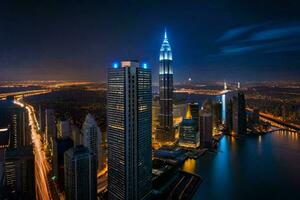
277, 122
22, 94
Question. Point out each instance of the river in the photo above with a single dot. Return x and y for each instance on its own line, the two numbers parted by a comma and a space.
251, 167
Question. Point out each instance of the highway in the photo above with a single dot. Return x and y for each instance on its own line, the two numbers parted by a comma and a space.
42, 166
23, 93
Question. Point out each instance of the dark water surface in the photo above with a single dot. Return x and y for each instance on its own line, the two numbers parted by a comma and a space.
252, 167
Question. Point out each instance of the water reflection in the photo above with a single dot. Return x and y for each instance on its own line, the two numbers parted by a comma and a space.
223, 108
268, 164
189, 165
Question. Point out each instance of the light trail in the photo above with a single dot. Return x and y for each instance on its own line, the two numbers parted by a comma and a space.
42, 167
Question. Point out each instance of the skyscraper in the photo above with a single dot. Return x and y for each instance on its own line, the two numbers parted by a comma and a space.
229, 114
205, 128
63, 128
193, 108
217, 115
19, 173
60, 146
50, 127
41, 119
92, 137
239, 122
4, 143
129, 106
80, 174
165, 130
188, 133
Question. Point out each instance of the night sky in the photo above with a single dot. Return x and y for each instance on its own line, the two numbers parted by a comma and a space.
211, 40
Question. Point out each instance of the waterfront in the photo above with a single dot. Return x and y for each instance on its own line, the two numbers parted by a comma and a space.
251, 167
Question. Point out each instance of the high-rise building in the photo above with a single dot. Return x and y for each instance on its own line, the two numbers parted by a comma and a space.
76, 135
205, 128
217, 115
129, 106
239, 114
4, 143
42, 119
60, 146
50, 127
155, 115
17, 119
229, 116
193, 108
92, 138
63, 128
165, 130
188, 128
19, 181
188, 134
80, 174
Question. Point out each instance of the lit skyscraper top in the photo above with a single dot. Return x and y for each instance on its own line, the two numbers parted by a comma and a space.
165, 50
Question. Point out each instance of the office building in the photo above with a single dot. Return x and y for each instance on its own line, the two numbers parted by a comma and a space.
188, 128
205, 128
60, 146
92, 138
129, 106
80, 174
42, 119
76, 135
4, 143
19, 180
217, 116
188, 135
50, 127
239, 122
165, 130
193, 109
63, 128
229, 116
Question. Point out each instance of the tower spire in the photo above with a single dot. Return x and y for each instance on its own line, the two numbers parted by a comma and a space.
165, 37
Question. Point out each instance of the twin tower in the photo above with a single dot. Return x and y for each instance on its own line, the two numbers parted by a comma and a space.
129, 118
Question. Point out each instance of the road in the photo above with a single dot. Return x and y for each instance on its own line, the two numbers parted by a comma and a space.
23, 93
42, 167
277, 121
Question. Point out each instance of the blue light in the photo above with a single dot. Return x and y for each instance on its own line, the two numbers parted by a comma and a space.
115, 65
145, 66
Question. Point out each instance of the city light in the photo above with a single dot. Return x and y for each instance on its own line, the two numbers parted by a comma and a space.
115, 65
145, 65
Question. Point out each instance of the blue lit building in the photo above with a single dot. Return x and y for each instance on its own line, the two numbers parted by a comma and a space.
165, 130
129, 107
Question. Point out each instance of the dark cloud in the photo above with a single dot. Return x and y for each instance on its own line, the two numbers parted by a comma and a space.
277, 33
253, 39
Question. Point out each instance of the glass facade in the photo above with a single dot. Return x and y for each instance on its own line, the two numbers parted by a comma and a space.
129, 116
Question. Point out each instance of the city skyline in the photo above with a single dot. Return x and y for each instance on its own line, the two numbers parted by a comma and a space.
149, 100
215, 40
